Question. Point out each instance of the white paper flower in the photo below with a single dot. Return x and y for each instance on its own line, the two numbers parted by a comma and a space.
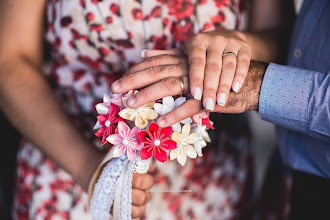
168, 105
184, 141
203, 138
103, 108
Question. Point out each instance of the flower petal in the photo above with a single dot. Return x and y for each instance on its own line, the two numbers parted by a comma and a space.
131, 154
206, 136
182, 158
176, 127
159, 108
193, 138
106, 98
140, 122
166, 131
138, 144
190, 151
102, 119
101, 109
119, 150
186, 121
97, 125
127, 113
170, 145
179, 101
123, 129
149, 105
115, 139
153, 128
160, 155
186, 129
207, 122
134, 132
143, 136
148, 113
144, 154
100, 132
176, 137
198, 149
173, 154
169, 102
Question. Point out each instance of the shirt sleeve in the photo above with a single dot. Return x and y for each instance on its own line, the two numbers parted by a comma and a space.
297, 99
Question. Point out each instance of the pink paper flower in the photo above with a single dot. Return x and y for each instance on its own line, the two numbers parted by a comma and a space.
126, 141
107, 123
156, 141
119, 100
205, 117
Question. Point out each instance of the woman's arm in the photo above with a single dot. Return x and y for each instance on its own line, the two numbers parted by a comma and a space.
27, 99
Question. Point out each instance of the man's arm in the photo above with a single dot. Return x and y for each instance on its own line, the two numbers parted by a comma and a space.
297, 99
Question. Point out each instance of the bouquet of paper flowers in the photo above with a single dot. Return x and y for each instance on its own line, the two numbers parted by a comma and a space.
136, 138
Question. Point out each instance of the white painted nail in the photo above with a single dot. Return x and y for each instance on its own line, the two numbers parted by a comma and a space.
209, 104
236, 87
222, 99
143, 53
197, 93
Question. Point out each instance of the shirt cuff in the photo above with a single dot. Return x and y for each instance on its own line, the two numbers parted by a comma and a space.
284, 96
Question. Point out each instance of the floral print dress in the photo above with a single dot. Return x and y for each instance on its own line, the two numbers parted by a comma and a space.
93, 43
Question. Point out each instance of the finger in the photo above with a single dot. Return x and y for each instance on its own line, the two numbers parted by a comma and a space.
227, 75
142, 181
146, 77
139, 197
185, 110
167, 87
154, 61
137, 211
196, 60
211, 78
152, 53
242, 68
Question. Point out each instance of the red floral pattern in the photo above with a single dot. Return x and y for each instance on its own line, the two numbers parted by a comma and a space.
93, 43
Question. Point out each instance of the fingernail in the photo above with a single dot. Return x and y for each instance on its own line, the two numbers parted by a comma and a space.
143, 53
209, 104
115, 85
236, 87
161, 122
197, 93
222, 99
131, 101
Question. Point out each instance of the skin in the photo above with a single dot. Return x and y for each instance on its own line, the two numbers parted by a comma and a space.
31, 106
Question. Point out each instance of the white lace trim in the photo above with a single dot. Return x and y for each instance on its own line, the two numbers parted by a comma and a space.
105, 188
141, 166
126, 197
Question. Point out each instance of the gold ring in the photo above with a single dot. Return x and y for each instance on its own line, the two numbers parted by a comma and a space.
181, 84
231, 53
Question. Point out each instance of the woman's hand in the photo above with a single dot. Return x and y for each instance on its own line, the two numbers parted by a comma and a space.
218, 61
140, 196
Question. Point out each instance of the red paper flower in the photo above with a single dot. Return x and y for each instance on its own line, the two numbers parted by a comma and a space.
156, 141
108, 122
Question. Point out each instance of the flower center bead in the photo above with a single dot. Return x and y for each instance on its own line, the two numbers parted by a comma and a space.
139, 109
157, 142
184, 143
107, 123
200, 138
125, 141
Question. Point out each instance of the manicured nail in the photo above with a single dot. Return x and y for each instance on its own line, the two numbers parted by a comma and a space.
161, 122
131, 101
209, 104
197, 93
236, 87
222, 99
115, 85
143, 53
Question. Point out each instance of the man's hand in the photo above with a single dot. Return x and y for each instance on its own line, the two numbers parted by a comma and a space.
162, 80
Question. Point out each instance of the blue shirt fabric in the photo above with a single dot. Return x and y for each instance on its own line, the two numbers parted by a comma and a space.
296, 97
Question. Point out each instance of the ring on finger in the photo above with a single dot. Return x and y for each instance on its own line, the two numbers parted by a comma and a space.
181, 84
229, 53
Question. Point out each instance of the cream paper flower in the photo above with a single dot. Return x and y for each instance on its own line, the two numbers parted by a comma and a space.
168, 105
203, 138
140, 115
184, 141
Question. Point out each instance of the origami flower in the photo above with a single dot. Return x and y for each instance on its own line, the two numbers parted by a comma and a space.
156, 141
103, 108
203, 138
168, 105
184, 141
141, 115
120, 99
107, 122
203, 118
126, 141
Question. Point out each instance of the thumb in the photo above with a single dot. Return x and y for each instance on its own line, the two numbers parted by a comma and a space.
153, 53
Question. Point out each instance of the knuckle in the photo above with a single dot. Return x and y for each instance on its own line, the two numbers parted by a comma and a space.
197, 61
144, 94
174, 116
169, 83
137, 181
135, 211
229, 65
141, 199
231, 40
219, 39
129, 79
244, 62
192, 105
198, 37
153, 71
213, 67
224, 87
209, 91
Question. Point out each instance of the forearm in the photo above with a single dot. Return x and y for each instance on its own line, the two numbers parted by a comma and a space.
30, 105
